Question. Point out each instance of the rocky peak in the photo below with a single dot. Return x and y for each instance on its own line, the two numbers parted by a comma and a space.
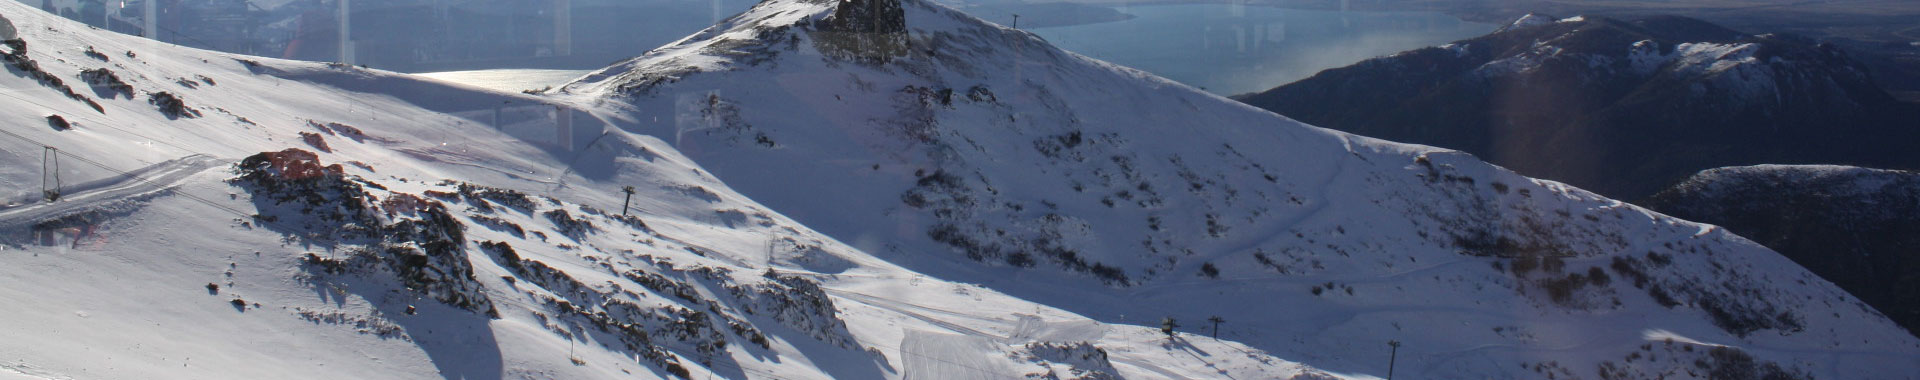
871, 31
866, 16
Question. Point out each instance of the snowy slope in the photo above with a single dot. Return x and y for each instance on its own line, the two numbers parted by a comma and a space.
306, 220
969, 151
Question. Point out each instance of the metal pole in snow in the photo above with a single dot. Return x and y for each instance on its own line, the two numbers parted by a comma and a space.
629, 201
1391, 355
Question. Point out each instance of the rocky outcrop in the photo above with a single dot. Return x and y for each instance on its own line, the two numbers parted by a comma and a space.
414, 241
870, 31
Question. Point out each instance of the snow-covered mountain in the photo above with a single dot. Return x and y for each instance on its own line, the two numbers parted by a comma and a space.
988, 207
1854, 226
221, 216
1619, 107
974, 152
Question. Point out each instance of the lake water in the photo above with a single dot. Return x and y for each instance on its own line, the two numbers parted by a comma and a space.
1233, 49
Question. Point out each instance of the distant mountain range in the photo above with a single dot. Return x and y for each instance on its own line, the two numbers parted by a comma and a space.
1629, 107
1621, 107
1859, 228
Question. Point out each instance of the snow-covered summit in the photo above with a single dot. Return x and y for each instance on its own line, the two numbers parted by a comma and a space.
987, 206
962, 149
222, 216
930, 38
1528, 20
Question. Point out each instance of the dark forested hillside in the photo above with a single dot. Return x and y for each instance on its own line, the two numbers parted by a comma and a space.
1859, 228
1621, 107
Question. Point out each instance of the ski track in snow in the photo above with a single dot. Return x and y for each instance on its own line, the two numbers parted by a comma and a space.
936, 356
22, 371
1279, 229
901, 307
132, 185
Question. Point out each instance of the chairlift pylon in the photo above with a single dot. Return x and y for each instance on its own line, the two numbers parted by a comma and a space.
50, 173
